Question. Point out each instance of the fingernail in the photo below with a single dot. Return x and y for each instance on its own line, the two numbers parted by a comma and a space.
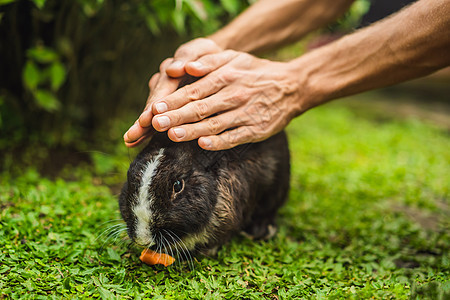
197, 65
179, 132
176, 64
161, 107
207, 142
163, 121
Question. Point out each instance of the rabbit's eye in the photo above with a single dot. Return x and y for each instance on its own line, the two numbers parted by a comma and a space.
178, 186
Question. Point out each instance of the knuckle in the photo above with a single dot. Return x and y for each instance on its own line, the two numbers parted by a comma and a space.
238, 98
192, 132
261, 133
214, 125
230, 75
244, 135
227, 77
175, 118
224, 78
212, 81
233, 139
241, 96
202, 110
207, 61
192, 92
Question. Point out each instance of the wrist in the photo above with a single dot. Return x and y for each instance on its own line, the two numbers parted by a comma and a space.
333, 71
221, 38
309, 83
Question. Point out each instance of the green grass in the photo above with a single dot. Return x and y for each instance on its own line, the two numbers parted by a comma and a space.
367, 217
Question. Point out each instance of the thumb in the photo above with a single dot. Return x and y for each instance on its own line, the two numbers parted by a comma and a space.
208, 63
188, 52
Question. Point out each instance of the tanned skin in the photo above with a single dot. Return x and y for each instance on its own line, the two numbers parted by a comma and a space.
241, 98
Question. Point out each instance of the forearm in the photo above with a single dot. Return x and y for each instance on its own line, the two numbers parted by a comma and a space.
410, 44
268, 24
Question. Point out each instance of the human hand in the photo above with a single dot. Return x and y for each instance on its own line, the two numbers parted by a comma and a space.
240, 99
165, 82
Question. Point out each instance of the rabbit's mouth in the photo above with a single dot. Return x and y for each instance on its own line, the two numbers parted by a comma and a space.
144, 243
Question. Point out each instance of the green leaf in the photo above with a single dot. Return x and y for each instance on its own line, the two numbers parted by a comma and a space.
42, 54
4, 2
231, 6
47, 100
4, 269
91, 8
66, 283
105, 294
39, 3
152, 24
113, 255
31, 75
57, 75
178, 20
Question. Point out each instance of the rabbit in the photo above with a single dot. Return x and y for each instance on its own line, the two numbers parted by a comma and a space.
181, 197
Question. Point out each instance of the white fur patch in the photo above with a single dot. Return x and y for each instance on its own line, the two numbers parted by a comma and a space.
196, 238
142, 209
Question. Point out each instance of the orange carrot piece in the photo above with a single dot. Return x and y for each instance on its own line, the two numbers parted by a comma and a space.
151, 257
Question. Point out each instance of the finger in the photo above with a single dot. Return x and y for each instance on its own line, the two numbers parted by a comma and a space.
189, 52
176, 69
228, 139
165, 64
160, 86
152, 86
147, 136
136, 132
198, 110
207, 127
145, 119
153, 81
164, 87
208, 63
200, 89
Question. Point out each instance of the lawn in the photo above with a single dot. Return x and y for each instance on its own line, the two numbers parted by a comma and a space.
367, 216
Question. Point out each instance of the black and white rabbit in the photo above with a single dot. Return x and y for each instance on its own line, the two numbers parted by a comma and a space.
178, 195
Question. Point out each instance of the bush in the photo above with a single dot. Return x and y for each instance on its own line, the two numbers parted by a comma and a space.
69, 67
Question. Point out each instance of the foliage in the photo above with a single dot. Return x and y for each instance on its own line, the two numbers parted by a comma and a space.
70, 67
366, 218
52, 73
352, 17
